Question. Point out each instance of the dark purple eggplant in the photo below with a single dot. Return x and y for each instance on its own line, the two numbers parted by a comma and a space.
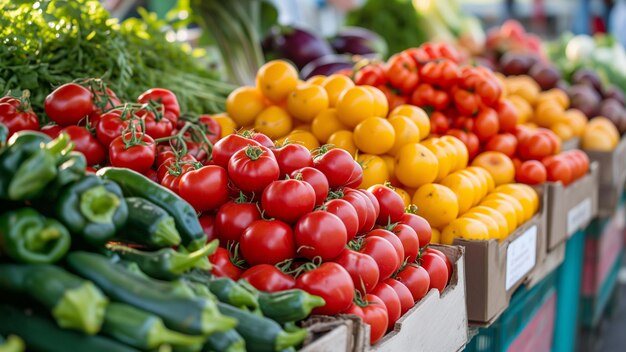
297, 45
359, 41
614, 92
588, 77
327, 65
585, 98
614, 111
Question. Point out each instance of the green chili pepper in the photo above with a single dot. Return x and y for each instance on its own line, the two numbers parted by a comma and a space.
93, 208
4, 133
12, 343
28, 237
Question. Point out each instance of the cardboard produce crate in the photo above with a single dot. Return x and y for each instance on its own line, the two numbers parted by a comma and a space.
611, 177
437, 322
496, 269
331, 334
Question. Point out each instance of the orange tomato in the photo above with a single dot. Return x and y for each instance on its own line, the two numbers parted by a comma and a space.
274, 122
344, 140
405, 132
306, 101
417, 115
276, 79
416, 165
355, 105
437, 204
335, 85
325, 124
498, 165
244, 104
374, 135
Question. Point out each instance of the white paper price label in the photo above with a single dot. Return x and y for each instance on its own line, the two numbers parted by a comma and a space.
521, 256
578, 216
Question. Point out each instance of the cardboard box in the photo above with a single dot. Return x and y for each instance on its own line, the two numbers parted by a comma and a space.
611, 177
496, 269
571, 208
436, 322
332, 334
572, 143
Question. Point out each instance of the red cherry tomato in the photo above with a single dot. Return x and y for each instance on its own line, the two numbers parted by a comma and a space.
268, 278
402, 72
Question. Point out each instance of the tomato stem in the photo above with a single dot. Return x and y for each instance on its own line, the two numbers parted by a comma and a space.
254, 152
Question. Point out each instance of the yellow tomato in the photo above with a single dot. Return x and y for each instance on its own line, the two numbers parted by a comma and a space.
548, 113
305, 102
563, 130
577, 121
374, 170
466, 228
244, 104
381, 107
485, 175
302, 127
527, 197
355, 105
492, 227
503, 225
557, 95
498, 165
506, 209
406, 132
343, 139
417, 115
416, 165
437, 204
305, 138
335, 85
441, 152
463, 188
523, 86
274, 122
480, 188
374, 135
406, 197
520, 212
523, 108
325, 124
461, 155
436, 236
317, 79
227, 124
276, 79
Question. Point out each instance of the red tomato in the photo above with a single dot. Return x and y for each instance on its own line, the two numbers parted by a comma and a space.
111, 126
442, 256
439, 123
410, 241
224, 149
213, 130
187, 161
420, 225
268, 278
370, 211
262, 139
233, 218
357, 176
531, 172
358, 202
394, 98
505, 143
390, 203
157, 127
52, 130
441, 73
486, 124
402, 72
555, 141
171, 179
393, 239
383, 253
316, 179
288, 200
373, 200
558, 169
404, 295
163, 97
507, 116
346, 213
103, 100
94, 152
428, 97
253, 168
292, 157
437, 271
17, 116
207, 221
205, 188
331, 282
337, 165
370, 75
68, 104
392, 302
223, 265
320, 234
416, 279
267, 242
583, 161
473, 145
534, 147
374, 314
362, 268
152, 175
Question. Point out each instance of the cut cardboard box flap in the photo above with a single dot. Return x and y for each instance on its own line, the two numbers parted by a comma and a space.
611, 176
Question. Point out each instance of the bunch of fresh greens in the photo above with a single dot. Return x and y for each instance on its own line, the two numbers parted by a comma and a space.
47, 43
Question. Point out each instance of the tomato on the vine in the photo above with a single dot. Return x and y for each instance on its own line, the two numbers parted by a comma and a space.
226, 147
135, 151
68, 104
320, 234
162, 97
17, 115
212, 128
331, 282
87, 144
205, 188
362, 268
268, 278
156, 126
111, 125
223, 266
267, 242
288, 200
253, 168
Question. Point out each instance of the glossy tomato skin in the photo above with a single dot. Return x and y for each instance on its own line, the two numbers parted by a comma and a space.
346, 213
393, 239
165, 97
69, 104
402, 72
374, 314
223, 266
390, 203
253, 168
420, 225
486, 124
139, 157
371, 75
268, 278
262, 140
233, 218
404, 295
53, 130
206, 188
505, 143
87, 144
442, 256
337, 165
110, 126
212, 127
288, 200
292, 157
558, 170
17, 117
373, 200
416, 279
383, 253
410, 241
535, 147
320, 234
207, 221
362, 269
531, 172
316, 179
507, 116
156, 127
437, 271
224, 149
171, 181
357, 201
392, 302
357, 176
331, 282
267, 242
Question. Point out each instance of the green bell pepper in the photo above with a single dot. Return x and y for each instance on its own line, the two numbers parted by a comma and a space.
93, 208
29, 237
